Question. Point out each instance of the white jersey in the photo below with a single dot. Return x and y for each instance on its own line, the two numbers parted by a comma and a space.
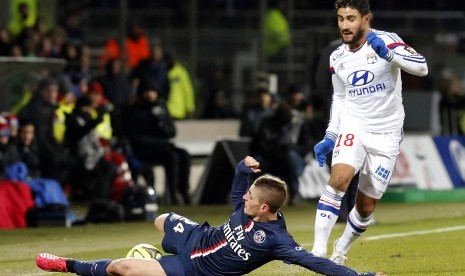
368, 89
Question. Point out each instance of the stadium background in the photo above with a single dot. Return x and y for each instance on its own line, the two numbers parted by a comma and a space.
410, 239
213, 35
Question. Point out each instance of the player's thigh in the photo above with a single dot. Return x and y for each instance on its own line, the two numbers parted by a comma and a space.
380, 162
349, 148
178, 229
136, 267
173, 265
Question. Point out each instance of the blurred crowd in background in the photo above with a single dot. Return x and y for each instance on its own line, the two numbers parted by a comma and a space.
106, 119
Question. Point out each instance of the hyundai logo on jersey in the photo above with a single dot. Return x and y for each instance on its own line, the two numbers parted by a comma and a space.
360, 77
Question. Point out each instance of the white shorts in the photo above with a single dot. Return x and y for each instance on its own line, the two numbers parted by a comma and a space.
373, 154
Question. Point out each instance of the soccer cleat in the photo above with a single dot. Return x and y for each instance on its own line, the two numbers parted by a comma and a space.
50, 262
338, 257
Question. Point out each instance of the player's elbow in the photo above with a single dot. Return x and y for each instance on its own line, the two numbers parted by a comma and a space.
423, 70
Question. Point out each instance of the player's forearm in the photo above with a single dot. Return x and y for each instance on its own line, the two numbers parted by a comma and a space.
413, 64
240, 185
325, 266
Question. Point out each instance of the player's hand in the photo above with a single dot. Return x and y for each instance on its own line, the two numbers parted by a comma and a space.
322, 148
377, 44
250, 165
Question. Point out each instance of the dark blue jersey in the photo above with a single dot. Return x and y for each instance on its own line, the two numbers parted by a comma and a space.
241, 244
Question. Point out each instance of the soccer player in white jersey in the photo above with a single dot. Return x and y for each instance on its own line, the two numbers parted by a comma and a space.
366, 121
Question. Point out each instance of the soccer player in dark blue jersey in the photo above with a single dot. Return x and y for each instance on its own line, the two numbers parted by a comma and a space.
254, 235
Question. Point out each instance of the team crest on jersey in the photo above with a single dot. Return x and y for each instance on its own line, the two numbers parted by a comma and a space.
372, 58
259, 236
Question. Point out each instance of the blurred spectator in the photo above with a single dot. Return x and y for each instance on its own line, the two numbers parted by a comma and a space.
58, 39
280, 145
91, 175
117, 90
8, 151
24, 15
66, 100
80, 84
28, 149
181, 99
277, 31
452, 106
41, 112
101, 105
136, 47
323, 85
153, 70
5, 42
300, 103
260, 106
73, 28
115, 83
13, 123
218, 99
150, 128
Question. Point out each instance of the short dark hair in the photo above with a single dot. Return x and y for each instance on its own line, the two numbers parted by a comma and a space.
363, 6
276, 191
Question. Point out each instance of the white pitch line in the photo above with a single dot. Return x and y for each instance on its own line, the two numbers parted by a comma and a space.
415, 233
406, 234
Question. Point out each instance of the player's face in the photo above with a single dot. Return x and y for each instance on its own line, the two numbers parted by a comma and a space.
252, 203
352, 26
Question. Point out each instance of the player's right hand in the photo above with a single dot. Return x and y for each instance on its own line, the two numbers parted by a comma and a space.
322, 148
377, 44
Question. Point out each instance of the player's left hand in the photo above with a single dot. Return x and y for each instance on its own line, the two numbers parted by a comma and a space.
251, 165
377, 44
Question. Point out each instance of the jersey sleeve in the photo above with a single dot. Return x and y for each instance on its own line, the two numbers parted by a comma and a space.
404, 56
240, 185
291, 252
337, 104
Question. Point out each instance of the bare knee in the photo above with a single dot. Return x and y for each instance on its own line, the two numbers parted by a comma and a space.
160, 222
341, 175
118, 267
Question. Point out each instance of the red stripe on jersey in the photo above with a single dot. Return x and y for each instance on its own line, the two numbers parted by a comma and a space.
248, 226
205, 252
396, 44
331, 69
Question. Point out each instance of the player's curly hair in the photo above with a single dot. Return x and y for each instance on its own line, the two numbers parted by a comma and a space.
363, 6
275, 189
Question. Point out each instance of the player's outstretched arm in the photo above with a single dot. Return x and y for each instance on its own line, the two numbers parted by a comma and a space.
241, 180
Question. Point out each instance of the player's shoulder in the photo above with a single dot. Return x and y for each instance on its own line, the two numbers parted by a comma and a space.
388, 37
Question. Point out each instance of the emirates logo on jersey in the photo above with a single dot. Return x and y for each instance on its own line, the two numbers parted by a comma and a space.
361, 77
259, 236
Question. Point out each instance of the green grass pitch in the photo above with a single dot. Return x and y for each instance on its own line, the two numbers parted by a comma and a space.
409, 239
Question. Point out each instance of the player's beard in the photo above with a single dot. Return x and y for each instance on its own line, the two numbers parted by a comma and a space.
356, 37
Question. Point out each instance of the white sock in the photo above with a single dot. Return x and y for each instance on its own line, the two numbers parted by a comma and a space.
356, 226
327, 213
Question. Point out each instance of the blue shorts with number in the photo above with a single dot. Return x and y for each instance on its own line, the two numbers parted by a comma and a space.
180, 234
